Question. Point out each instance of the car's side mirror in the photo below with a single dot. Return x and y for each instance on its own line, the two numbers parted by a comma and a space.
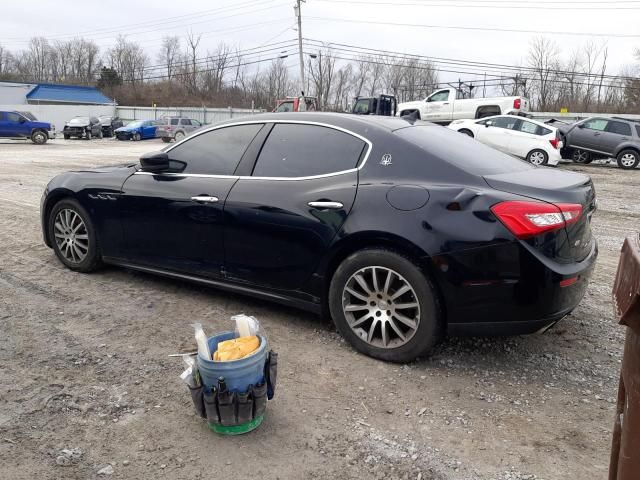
154, 162
22, 120
488, 124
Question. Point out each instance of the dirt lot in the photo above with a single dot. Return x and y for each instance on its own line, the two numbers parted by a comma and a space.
85, 367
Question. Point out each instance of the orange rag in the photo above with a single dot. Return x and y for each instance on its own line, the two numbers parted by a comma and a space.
236, 348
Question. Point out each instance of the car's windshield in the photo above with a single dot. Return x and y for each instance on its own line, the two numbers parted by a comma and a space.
471, 156
29, 116
79, 120
135, 124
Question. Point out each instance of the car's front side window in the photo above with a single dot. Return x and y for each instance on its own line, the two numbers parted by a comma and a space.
301, 150
599, 124
216, 152
442, 96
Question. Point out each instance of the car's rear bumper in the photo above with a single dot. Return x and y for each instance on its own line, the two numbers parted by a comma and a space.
163, 134
554, 157
507, 290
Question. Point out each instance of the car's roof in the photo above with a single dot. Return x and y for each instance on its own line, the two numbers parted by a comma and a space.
357, 123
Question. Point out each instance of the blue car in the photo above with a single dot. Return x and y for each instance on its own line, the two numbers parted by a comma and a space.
25, 125
137, 130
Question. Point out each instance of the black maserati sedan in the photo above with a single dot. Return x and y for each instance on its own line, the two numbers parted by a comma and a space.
400, 230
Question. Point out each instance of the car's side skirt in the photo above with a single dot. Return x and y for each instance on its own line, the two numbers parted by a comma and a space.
222, 285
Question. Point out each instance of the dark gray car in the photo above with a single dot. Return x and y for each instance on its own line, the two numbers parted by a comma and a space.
599, 137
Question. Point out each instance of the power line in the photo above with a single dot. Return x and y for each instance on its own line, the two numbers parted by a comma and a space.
484, 29
473, 4
483, 66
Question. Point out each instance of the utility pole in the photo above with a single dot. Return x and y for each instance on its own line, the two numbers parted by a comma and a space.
298, 11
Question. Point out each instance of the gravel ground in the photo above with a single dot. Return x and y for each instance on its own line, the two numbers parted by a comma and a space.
87, 389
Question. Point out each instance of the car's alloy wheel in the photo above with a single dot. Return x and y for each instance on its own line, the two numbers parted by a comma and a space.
381, 307
581, 156
73, 237
88, 135
178, 136
628, 159
384, 305
136, 137
537, 157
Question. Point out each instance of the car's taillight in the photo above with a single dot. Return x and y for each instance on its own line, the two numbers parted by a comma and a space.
516, 103
528, 219
554, 142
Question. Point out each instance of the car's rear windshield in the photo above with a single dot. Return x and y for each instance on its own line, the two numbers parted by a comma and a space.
79, 120
461, 151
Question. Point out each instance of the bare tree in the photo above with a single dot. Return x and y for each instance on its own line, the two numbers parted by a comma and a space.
169, 54
192, 53
543, 60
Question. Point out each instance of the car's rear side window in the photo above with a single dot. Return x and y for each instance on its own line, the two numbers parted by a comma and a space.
620, 128
461, 152
216, 152
300, 150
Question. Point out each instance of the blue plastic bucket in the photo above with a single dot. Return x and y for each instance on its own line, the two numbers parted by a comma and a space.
238, 374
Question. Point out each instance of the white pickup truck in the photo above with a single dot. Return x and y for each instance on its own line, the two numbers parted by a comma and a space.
444, 106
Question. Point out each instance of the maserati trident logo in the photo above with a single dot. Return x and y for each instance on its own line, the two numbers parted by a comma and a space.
386, 159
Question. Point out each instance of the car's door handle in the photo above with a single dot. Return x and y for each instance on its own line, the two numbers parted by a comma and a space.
596, 134
326, 204
205, 199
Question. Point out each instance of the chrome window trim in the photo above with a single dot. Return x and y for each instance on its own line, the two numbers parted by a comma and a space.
247, 177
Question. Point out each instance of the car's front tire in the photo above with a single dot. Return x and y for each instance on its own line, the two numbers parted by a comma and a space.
73, 236
581, 156
537, 157
384, 305
628, 159
136, 137
39, 137
88, 136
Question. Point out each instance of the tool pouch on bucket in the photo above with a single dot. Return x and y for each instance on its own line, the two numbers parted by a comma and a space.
259, 399
227, 407
211, 406
245, 406
271, 373
197, 395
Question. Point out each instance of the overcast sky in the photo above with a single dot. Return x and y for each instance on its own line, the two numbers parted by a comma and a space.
250, 23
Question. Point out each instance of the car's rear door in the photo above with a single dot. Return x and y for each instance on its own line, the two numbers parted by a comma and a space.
283, 218
525, 136
615, 133
174, 220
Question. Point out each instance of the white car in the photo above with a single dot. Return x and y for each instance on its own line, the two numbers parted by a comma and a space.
536, 142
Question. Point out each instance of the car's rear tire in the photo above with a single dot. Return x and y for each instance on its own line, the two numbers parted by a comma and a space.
136, 137
467, 132
73, 236
537, 157
166, 139
628, 159
384, 305
581, 156
39, 137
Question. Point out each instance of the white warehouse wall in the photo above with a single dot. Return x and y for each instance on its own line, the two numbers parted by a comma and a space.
58, 115
14, 93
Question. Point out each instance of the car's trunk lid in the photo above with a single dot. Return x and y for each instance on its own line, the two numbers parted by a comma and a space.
556, 186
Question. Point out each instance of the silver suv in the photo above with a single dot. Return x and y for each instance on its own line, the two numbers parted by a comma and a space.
176, 128
599, 137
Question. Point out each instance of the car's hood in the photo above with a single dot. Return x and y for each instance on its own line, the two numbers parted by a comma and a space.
76, 124
127, 129
107, 169
44, 125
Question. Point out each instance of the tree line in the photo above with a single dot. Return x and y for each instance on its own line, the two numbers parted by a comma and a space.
184, 73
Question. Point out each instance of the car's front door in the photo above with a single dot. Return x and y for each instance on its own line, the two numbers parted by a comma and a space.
16, 125
497, 132
588, 134
283, 219
439, 106
149, 129
174, 220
